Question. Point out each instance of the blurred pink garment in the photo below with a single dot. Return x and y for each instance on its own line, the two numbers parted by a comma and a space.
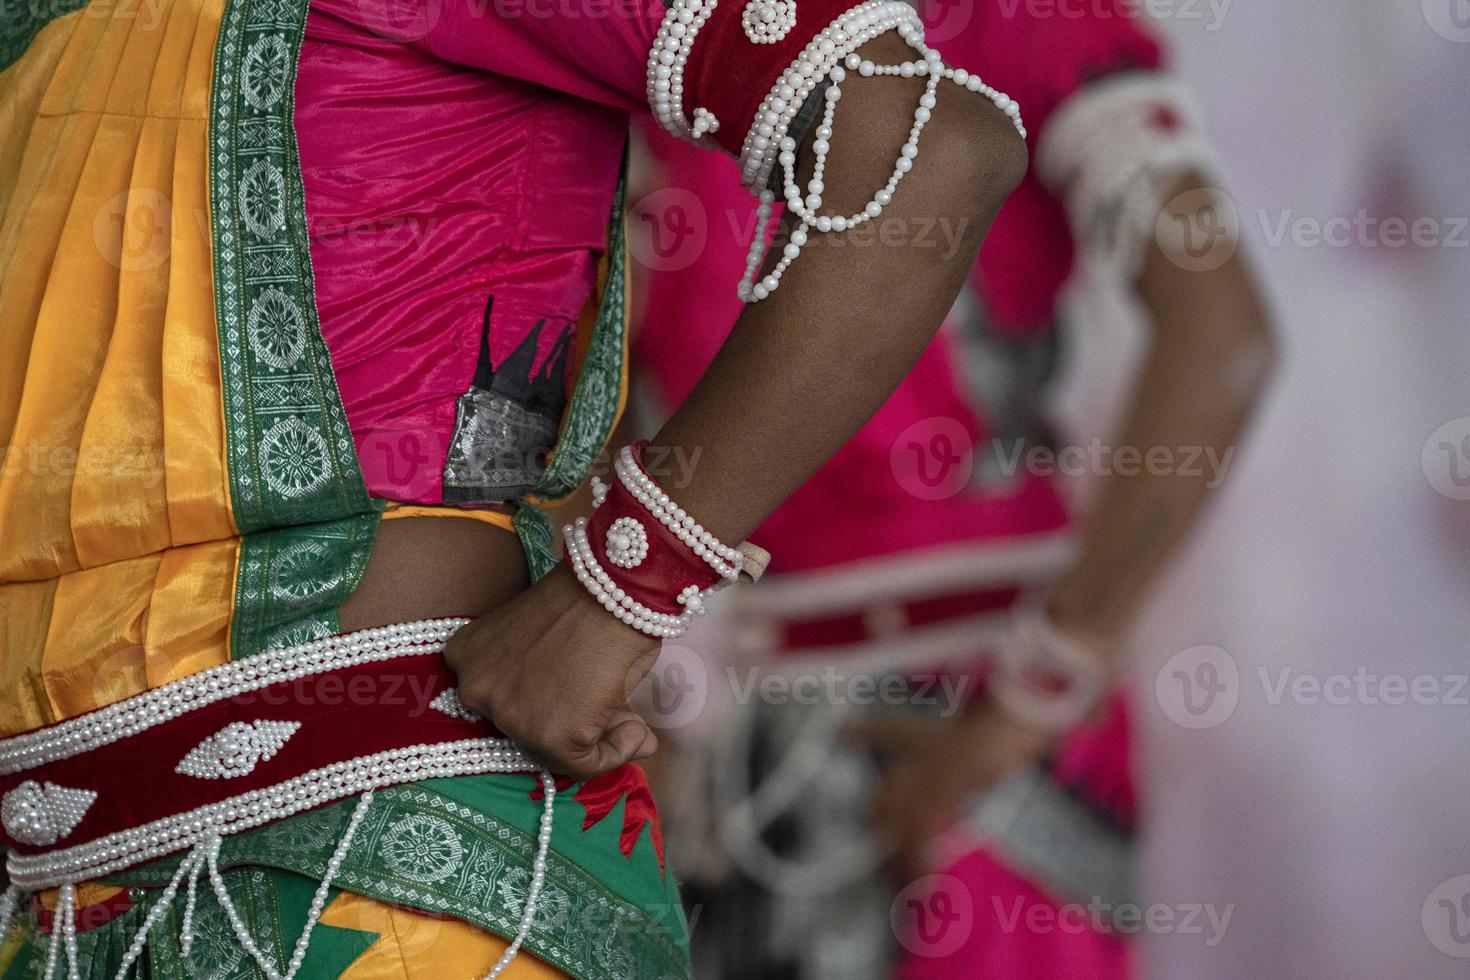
1016, 928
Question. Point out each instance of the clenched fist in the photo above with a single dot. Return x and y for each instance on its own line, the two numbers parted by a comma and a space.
553, 671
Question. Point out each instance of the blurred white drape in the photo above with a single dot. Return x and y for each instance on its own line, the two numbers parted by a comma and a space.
1327, 826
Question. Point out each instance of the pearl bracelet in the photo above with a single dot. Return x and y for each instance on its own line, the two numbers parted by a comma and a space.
602, 587
1036, 647
723, 559
654, 575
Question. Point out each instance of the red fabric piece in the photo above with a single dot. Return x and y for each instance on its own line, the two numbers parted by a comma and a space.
344, 714
730, 75
970, 602
599, 796
670, 566
851, 628
844, 629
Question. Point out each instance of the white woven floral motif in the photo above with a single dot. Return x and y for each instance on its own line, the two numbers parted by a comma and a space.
236, 749
627, 543
265, 70
42, 814
423, 848
294, 458
768, 21
263, 199
276, 329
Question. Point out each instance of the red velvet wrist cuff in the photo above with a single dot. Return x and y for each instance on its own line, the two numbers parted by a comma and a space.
668, 568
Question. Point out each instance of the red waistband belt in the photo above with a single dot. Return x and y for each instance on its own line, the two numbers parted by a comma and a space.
235, 747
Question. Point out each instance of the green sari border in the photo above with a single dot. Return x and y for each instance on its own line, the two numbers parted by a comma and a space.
296, 489
593, 408
592, 412
444, 847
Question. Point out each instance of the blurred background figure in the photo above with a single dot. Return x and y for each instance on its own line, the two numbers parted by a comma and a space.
906, 757
1325, 794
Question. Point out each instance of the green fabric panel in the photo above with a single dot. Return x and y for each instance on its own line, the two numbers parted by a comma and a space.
464, 847
534, 529
291, 581
22, 20
273, 902
593, 408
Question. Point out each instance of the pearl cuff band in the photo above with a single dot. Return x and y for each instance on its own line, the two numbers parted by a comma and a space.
646, 559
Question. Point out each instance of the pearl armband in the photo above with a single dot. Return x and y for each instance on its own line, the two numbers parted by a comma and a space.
825, 57
1112, 153
643, 557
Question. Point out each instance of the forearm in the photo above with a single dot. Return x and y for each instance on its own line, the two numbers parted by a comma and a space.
805, 368
1205, 372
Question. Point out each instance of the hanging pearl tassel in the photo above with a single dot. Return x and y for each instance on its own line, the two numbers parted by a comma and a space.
538, 879
165, 901
9, 902
334, 865
806, 208
191, 895
63, 933
318, 900
204, 859
66, 905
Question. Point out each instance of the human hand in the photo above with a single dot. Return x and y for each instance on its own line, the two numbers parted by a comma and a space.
933, 769
553, 671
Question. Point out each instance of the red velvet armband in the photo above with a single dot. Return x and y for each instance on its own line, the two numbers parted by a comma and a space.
737, 73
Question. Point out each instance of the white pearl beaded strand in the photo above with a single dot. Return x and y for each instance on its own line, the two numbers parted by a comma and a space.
538, 878
726, 561
666, 60
9, 902
601, 586
818, 61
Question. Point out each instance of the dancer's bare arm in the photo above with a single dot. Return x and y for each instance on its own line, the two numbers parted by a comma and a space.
801, 372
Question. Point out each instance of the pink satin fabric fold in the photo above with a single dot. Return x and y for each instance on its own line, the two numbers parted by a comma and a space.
439, 174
